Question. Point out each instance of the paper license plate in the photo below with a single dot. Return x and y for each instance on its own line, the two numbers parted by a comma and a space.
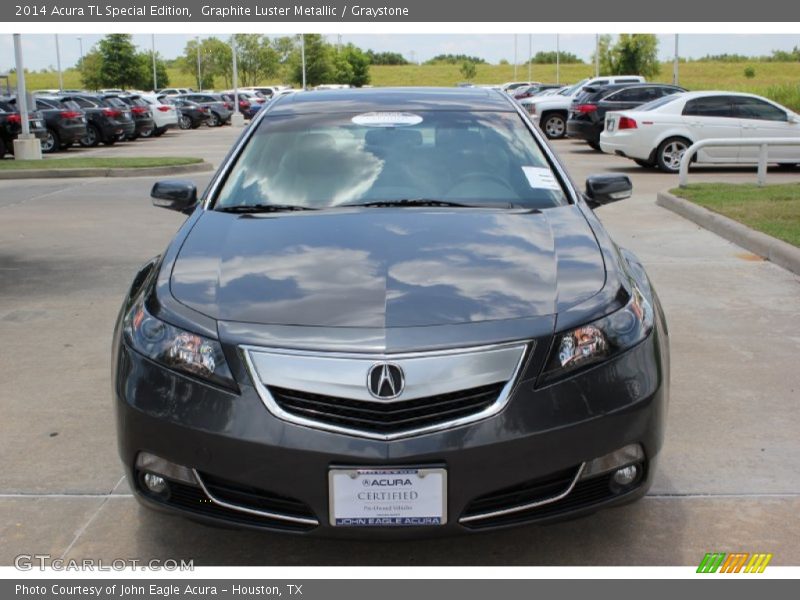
372, 497
610, 126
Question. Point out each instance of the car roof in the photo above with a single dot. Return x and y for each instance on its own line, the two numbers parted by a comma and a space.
397, 99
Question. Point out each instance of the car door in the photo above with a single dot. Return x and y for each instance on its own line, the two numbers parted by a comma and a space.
710, 117
762, 119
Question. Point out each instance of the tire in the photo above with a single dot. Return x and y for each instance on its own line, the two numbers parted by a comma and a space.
159, 131
554, 126
148, 133
51, 143
214, 120
669, 153
196, 125
646, 164
133, 136
3, 149
595, 146
92, 137
185, 122
110, 141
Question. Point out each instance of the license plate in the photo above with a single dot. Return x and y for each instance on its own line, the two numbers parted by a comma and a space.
372, 497
37, 123
610, 126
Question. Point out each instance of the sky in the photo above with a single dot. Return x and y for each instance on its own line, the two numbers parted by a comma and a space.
40, 49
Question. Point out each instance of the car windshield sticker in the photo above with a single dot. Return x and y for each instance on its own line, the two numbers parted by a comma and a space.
541, 178
387, 119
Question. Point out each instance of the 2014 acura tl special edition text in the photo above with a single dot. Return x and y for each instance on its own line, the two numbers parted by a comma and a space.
390, 313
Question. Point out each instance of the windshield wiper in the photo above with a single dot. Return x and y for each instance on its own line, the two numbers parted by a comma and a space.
422, 202
262, 208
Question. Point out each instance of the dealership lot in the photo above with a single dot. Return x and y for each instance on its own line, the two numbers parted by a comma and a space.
728, 477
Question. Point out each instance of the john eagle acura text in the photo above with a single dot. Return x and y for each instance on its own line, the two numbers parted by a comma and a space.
393, 291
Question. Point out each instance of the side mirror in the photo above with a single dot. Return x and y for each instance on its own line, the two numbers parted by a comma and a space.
174, 194
604, 189
794, 119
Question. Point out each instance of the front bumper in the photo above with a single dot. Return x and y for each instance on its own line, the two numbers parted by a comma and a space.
540, 438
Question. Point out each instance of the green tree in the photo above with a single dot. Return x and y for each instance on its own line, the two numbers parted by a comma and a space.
89, 68
147, 68
635, 54
606, 57
120, 65
549, 58
257, 61
319, 62
468, 70
359, 65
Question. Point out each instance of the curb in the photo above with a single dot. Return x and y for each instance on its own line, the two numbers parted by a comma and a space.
105, 172
774, 250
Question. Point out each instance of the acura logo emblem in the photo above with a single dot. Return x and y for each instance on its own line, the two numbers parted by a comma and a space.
385, 381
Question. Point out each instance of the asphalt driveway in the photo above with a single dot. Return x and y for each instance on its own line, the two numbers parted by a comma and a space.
728, 478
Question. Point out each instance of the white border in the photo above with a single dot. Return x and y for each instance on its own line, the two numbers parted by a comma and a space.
378, 27
433, 572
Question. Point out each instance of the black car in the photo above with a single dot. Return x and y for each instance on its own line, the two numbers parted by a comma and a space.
11, 127
107, 119
65, 122
192, 114
220, 109
528, 91
587, 114
391, 311
140, 111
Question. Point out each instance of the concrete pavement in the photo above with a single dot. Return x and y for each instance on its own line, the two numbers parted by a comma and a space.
728, 477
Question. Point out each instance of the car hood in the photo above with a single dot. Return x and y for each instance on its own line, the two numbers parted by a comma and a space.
387, 267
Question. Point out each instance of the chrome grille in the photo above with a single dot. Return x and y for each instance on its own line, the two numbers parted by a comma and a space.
331, 390
388, 417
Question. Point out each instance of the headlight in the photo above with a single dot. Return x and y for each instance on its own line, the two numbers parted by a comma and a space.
175, 348
600, 340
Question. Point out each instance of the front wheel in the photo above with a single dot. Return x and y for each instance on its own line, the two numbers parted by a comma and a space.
595, 146
213, 120
146, 133
185, 122
670, 153
646, 164
554, 126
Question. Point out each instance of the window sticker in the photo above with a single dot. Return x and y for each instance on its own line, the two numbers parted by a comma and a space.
387, 119
541, 178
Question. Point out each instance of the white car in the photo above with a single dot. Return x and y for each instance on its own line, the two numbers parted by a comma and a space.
551, 112
510, 86
165, 116
660, 132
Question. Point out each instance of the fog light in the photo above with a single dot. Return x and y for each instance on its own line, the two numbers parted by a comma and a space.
150, 463
155, 483
632, 453
626, 475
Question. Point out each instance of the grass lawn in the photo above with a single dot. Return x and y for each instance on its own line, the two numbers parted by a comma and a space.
772, 209
133, 162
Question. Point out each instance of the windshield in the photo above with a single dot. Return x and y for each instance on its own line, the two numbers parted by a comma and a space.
327, 160
571, 90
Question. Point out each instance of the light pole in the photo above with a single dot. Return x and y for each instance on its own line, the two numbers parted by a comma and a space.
26, 146
237, 118
58, 66
303, 56
153, 52
558, 59
530, 57
515, 57
199, 78
675, 63
80, 46
597, 55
